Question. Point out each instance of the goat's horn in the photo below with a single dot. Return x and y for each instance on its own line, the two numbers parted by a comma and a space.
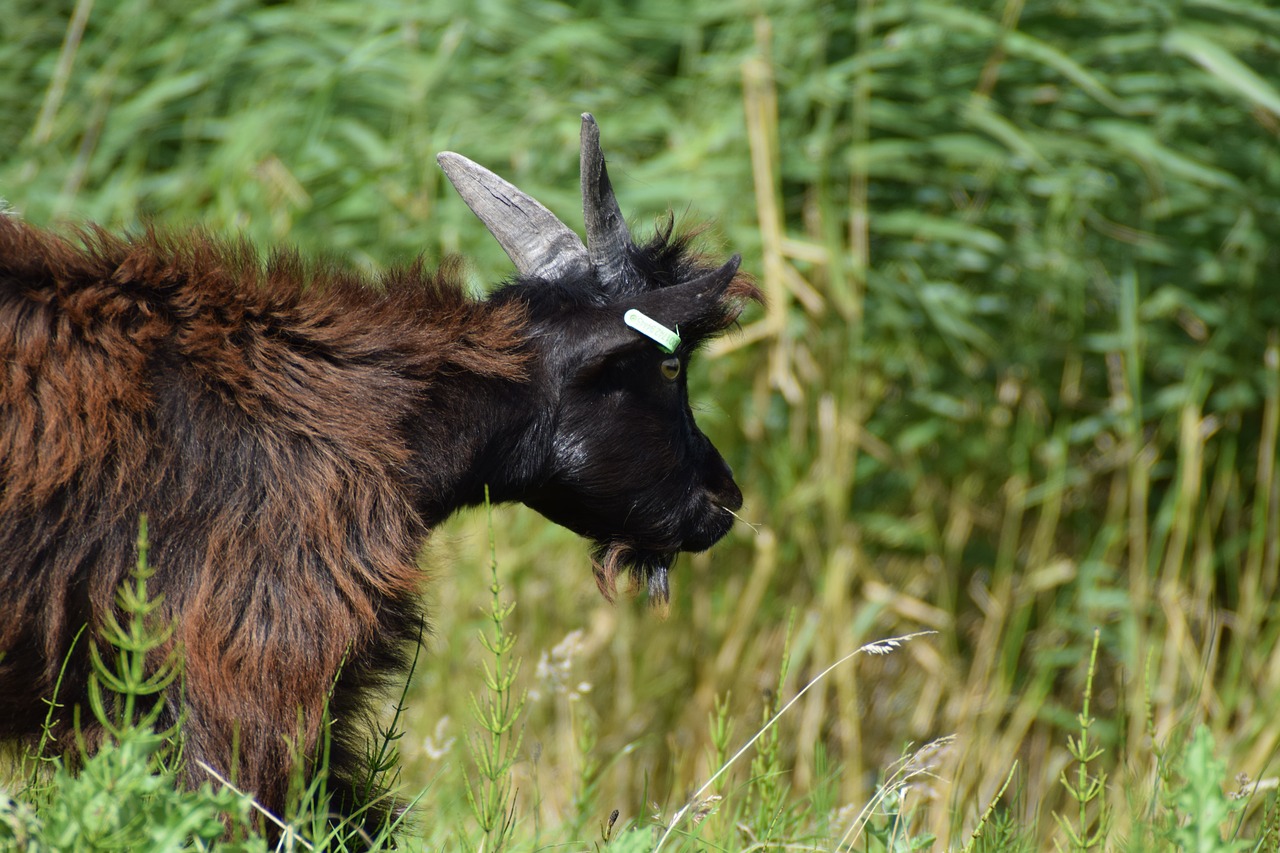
608, 240
536, 241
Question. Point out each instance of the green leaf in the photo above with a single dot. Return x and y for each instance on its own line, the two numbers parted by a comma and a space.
1222, 64
1203, 810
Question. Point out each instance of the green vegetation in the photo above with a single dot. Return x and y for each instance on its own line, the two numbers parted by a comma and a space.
125, 796
1018, 383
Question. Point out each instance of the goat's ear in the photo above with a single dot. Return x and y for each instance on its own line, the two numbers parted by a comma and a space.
695, 305
694, 309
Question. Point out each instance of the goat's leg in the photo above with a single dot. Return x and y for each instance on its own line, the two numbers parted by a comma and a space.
256, 691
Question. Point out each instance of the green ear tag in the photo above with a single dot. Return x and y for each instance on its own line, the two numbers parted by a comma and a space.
651, 328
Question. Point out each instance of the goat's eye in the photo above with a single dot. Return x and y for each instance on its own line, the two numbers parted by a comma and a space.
671, 369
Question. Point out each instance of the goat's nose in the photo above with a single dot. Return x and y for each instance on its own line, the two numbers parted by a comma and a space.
721, 487
730, 497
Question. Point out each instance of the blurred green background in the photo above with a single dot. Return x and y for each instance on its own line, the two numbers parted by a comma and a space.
1018, 378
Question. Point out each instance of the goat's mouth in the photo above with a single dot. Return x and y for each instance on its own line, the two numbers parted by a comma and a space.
649, 568
710, 527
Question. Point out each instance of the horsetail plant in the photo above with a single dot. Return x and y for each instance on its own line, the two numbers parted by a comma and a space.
496, 746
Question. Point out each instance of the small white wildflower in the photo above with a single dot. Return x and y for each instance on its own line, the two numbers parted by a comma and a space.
435, 745
845, 814
555, 670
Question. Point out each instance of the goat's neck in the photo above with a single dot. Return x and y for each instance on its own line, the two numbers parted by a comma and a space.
477, 432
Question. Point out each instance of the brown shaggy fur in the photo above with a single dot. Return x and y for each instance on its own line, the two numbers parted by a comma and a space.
248, 411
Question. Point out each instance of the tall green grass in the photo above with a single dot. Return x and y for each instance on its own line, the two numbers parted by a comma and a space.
1018, 380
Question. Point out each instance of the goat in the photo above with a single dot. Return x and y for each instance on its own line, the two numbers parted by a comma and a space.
293, 433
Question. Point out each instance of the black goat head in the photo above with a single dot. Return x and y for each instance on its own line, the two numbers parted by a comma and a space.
626, 464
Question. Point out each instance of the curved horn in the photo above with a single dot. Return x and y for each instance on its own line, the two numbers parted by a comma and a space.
608, 240
536, 241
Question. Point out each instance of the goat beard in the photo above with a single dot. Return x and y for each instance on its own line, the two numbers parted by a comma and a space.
648, 569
